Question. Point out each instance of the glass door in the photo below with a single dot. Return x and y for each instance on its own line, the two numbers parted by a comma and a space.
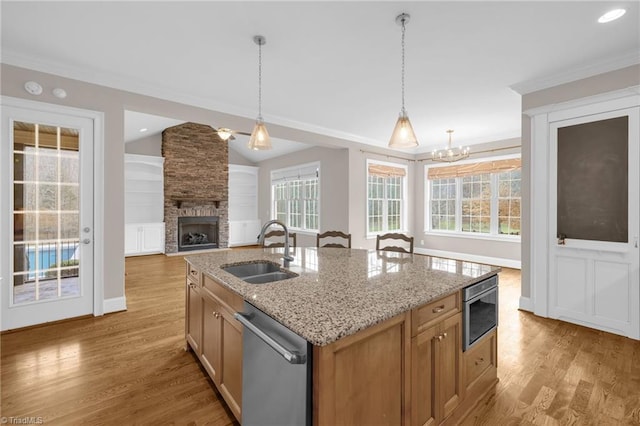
50, 184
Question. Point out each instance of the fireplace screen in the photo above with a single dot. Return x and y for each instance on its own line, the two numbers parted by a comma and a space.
197, 232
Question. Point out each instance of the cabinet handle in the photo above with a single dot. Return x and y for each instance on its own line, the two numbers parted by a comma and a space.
438, 309
192, 285
444, 335
193, 272
440, 337
216, 314
479, 361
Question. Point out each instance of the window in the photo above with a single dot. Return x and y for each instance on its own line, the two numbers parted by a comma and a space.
509, 202
479, 198
295, 195
386, 187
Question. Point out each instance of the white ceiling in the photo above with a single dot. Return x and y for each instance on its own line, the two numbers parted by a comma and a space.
331, 68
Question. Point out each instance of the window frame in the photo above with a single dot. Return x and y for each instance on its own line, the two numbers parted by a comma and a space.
403, 201
301, 201
494, 203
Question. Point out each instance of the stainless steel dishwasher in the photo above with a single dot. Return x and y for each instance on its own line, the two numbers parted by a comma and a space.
276, 372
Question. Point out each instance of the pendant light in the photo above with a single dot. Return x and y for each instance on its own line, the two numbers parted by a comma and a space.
450, 155
403, 135
259, 136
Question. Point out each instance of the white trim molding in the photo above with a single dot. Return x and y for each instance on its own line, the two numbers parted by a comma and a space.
526, 304
115, 304
610, 64
498, 261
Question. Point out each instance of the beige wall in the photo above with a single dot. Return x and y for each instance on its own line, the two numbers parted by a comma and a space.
334, 188
151, 145
598, 84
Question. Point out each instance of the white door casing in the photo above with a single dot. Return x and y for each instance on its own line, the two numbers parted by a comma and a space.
592, 283
90, 300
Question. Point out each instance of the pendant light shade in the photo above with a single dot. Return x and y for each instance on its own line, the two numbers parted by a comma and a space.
259, 139
403, 135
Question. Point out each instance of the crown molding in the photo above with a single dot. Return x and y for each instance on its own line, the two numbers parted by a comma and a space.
601, 67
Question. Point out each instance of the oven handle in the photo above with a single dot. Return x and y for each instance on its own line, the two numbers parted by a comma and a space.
481, 295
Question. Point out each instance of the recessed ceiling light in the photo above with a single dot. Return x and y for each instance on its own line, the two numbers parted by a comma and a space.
144, 129
611, 15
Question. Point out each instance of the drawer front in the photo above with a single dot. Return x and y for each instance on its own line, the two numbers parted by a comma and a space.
479, 358
226, 296
193, 273
429, 314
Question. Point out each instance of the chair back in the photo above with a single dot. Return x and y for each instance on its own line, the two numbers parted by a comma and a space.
279, 236
397, 237
334, 234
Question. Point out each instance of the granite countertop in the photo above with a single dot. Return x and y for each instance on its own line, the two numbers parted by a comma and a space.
341, 291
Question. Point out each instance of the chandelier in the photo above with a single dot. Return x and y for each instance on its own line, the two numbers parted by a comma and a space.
450, 155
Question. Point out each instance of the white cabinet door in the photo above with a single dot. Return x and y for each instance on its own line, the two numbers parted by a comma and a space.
593, 253
131, 239
152, 238
243, 232
143, 238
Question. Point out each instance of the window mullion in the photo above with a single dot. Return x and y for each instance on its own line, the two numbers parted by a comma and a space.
494, 204
458, 205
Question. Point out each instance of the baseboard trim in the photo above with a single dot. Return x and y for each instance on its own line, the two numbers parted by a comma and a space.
526, 304
115, 304
498, 261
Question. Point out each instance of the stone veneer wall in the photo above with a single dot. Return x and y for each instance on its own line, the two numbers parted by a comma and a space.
196, 166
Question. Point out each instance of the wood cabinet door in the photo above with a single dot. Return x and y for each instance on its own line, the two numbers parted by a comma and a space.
449, 361
423, 368
193, 314
361, 379
211, 337
231, 362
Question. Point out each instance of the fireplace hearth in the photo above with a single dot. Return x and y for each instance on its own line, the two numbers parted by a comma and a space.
197, 233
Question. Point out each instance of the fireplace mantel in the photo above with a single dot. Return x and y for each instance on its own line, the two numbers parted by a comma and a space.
180, 200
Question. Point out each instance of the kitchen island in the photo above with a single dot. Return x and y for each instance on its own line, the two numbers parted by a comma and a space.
386, 330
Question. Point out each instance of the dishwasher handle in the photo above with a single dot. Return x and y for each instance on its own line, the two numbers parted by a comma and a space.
292, 357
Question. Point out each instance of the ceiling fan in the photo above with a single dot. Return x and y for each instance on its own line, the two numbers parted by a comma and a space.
227, 134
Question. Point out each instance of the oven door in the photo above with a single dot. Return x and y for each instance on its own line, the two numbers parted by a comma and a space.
480, 316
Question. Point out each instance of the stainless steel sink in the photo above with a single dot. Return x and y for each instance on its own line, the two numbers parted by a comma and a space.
260, 272
269, 277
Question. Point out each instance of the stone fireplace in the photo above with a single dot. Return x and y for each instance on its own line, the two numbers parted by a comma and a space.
196, 179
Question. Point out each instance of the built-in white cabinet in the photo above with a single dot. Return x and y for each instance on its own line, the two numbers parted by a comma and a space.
144, 204
244, 224
143, 238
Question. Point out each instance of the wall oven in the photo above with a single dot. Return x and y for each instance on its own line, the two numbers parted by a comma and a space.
480, 310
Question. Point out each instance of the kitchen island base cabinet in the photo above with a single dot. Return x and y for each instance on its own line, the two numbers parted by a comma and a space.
436, 355
215, 336
361, 379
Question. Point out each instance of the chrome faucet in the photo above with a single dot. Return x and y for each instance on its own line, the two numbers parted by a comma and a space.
287, 257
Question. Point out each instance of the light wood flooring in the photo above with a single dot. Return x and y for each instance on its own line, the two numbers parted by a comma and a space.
131, 367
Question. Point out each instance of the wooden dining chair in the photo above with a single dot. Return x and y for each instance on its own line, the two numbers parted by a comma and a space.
334, 234
396, 237
279, 235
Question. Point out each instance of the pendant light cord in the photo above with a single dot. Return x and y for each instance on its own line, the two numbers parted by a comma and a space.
260, 81
403, 29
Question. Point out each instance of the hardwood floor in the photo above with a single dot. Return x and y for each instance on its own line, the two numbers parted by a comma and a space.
124, 368
131, 367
